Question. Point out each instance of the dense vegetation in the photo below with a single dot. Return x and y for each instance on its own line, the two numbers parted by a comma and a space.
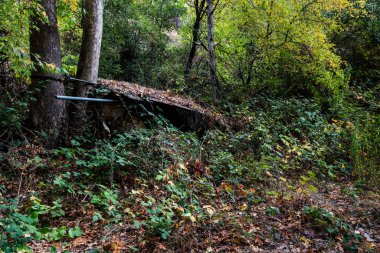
301, 175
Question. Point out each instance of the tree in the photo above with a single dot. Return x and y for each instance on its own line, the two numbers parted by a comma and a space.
47, 114
14, 36
139, 41
200, 10
88, 65
211, 48
358, 43
281, 46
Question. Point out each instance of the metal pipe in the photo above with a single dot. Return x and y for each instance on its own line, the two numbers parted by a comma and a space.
102, 100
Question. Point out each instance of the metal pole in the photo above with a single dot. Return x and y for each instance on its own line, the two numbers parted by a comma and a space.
101, 100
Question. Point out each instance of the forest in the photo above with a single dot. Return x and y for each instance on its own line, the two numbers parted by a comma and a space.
190, 126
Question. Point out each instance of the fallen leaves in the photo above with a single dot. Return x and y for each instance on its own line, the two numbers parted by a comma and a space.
114, 246
230, 221
209, 209
140, 93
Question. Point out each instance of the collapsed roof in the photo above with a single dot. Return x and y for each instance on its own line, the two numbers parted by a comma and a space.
182, 112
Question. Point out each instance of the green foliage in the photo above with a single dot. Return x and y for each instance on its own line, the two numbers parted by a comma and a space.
131, 151
333, 225
282, 137
294, 134
365, 149
69, 14
310, 128
358, 42
18, 228
13, 112
272, 211
10, 119
106, 200
66, 182
231, 156
160, 220
181, 202
264, 45
325, 219
14, 32
139, 41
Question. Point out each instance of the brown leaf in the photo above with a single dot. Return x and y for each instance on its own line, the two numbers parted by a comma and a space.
115, 246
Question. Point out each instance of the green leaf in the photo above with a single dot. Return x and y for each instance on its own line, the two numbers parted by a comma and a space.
74, 232
137, 224
331, 230
97, 216
313, 189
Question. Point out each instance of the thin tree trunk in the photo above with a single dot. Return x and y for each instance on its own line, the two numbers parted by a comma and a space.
199, 12
88, 65
46, 113
211, 49
193, 48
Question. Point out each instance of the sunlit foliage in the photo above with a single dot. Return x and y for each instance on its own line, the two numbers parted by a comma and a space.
14, 32
282, 45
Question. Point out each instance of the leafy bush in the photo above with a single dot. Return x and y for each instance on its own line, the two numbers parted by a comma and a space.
136, 44
333, 225
264, 47
18, 229
11, 119
365, 150
161, 218
106, 200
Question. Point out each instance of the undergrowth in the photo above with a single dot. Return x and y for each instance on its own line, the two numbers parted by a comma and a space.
160, 178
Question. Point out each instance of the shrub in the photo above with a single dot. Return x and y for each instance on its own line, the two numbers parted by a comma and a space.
365, 150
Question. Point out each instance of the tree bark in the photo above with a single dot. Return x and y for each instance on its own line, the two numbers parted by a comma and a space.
47, 114
88, 65
199, 13
211, 49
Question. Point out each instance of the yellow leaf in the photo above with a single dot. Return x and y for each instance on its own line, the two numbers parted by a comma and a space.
182, 166
243, 207
227, 187
210, 210
305, 240
73, 8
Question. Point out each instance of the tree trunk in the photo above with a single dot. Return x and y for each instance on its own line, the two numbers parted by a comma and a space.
211, 49
47, 114
199, 12
88, 65
193, 48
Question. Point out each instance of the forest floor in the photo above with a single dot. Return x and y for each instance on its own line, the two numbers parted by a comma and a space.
340, 218
288, 182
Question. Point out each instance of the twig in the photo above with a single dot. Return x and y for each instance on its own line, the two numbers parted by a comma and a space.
19, 188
